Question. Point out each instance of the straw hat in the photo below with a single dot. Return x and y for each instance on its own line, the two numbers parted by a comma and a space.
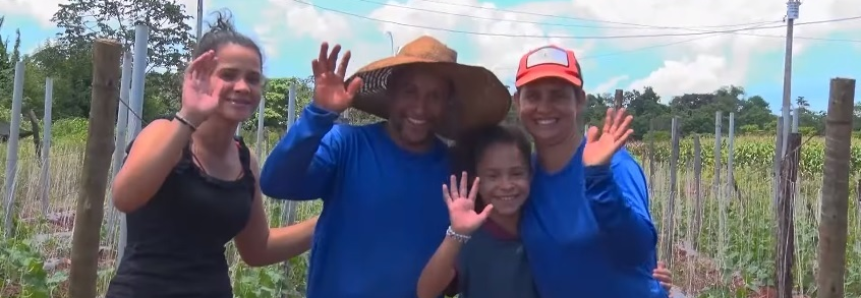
480, 98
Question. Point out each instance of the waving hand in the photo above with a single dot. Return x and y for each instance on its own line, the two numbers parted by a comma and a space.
600, 147
461, 205
329, 90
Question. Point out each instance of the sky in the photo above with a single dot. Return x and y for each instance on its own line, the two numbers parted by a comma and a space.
674, 46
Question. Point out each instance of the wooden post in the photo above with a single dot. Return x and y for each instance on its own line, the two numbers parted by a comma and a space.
97, 162
669, 208
835, 189
718, 189
778, 147
619, 98
37, 142
698, 203
652, 163
785, 227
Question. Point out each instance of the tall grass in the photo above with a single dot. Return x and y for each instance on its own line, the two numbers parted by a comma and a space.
746, 266
34, 263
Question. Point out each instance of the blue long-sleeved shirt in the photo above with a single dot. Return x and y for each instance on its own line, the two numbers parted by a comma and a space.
383, 214
588, 232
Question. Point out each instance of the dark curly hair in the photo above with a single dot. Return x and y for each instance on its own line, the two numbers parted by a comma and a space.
222, 32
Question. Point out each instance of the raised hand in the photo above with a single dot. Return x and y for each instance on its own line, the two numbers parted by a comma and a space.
600, 147
329, 91
461, 205
199, 96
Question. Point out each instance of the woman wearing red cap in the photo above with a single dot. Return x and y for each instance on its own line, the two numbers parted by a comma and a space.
587, 228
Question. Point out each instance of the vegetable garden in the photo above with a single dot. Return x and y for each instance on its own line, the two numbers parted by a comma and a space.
34, 262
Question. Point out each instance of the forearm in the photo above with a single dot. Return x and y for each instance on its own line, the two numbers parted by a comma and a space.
143, 174
615, 214
440, 270
290, 241
288, 170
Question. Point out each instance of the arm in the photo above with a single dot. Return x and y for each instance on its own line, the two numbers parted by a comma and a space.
440, 271
258, 245
303, 164
157, 149
618, 198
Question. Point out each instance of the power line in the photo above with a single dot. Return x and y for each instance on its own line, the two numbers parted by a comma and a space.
628, 27
597, 37
583, 19
646, 48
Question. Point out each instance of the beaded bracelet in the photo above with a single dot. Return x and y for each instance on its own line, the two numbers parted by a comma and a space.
457, 237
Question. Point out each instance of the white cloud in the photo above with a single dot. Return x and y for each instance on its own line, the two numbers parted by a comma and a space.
289, 19
705, 64
41, 10
609, 84
703, 74
498, 53
692, 64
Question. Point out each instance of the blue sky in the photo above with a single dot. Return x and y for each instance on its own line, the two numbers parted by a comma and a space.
599, 30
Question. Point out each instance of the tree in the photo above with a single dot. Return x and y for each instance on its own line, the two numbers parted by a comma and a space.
170, 39
72, 75
275, 110
754, 113
9, 56
811, 120
82, 21
648, 107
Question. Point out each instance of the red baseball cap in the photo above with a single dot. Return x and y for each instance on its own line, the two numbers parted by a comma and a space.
549, 62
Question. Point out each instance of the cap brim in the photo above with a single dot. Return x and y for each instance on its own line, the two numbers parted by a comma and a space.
532, 77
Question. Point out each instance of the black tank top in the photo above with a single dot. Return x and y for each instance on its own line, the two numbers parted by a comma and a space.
176, 242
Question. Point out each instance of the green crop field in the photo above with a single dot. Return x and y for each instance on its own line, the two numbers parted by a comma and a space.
736, 261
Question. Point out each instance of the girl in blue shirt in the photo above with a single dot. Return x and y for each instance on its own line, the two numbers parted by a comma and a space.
482, 258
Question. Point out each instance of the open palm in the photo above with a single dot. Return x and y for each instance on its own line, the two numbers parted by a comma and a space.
329, 90
600, 147
199, 97
461, 205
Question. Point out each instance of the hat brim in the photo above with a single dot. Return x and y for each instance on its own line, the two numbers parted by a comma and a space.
534, 76
480, 98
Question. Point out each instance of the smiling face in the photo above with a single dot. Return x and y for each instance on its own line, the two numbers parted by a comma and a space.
239, 81
418, 99
505, 177
549, 108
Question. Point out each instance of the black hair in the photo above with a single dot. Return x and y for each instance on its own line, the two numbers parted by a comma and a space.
469, 148
222, 32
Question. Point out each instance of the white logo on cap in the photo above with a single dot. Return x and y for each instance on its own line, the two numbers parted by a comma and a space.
548, 55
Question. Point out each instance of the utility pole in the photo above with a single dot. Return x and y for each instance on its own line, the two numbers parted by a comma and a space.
199, 19
792, 7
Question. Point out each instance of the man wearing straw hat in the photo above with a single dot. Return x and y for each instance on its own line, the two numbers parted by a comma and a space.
383, 215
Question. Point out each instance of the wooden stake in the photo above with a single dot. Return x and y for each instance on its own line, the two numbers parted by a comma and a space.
785, 222
835, 189
97, 162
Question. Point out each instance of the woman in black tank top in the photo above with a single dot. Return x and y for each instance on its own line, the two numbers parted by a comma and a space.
188, 186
